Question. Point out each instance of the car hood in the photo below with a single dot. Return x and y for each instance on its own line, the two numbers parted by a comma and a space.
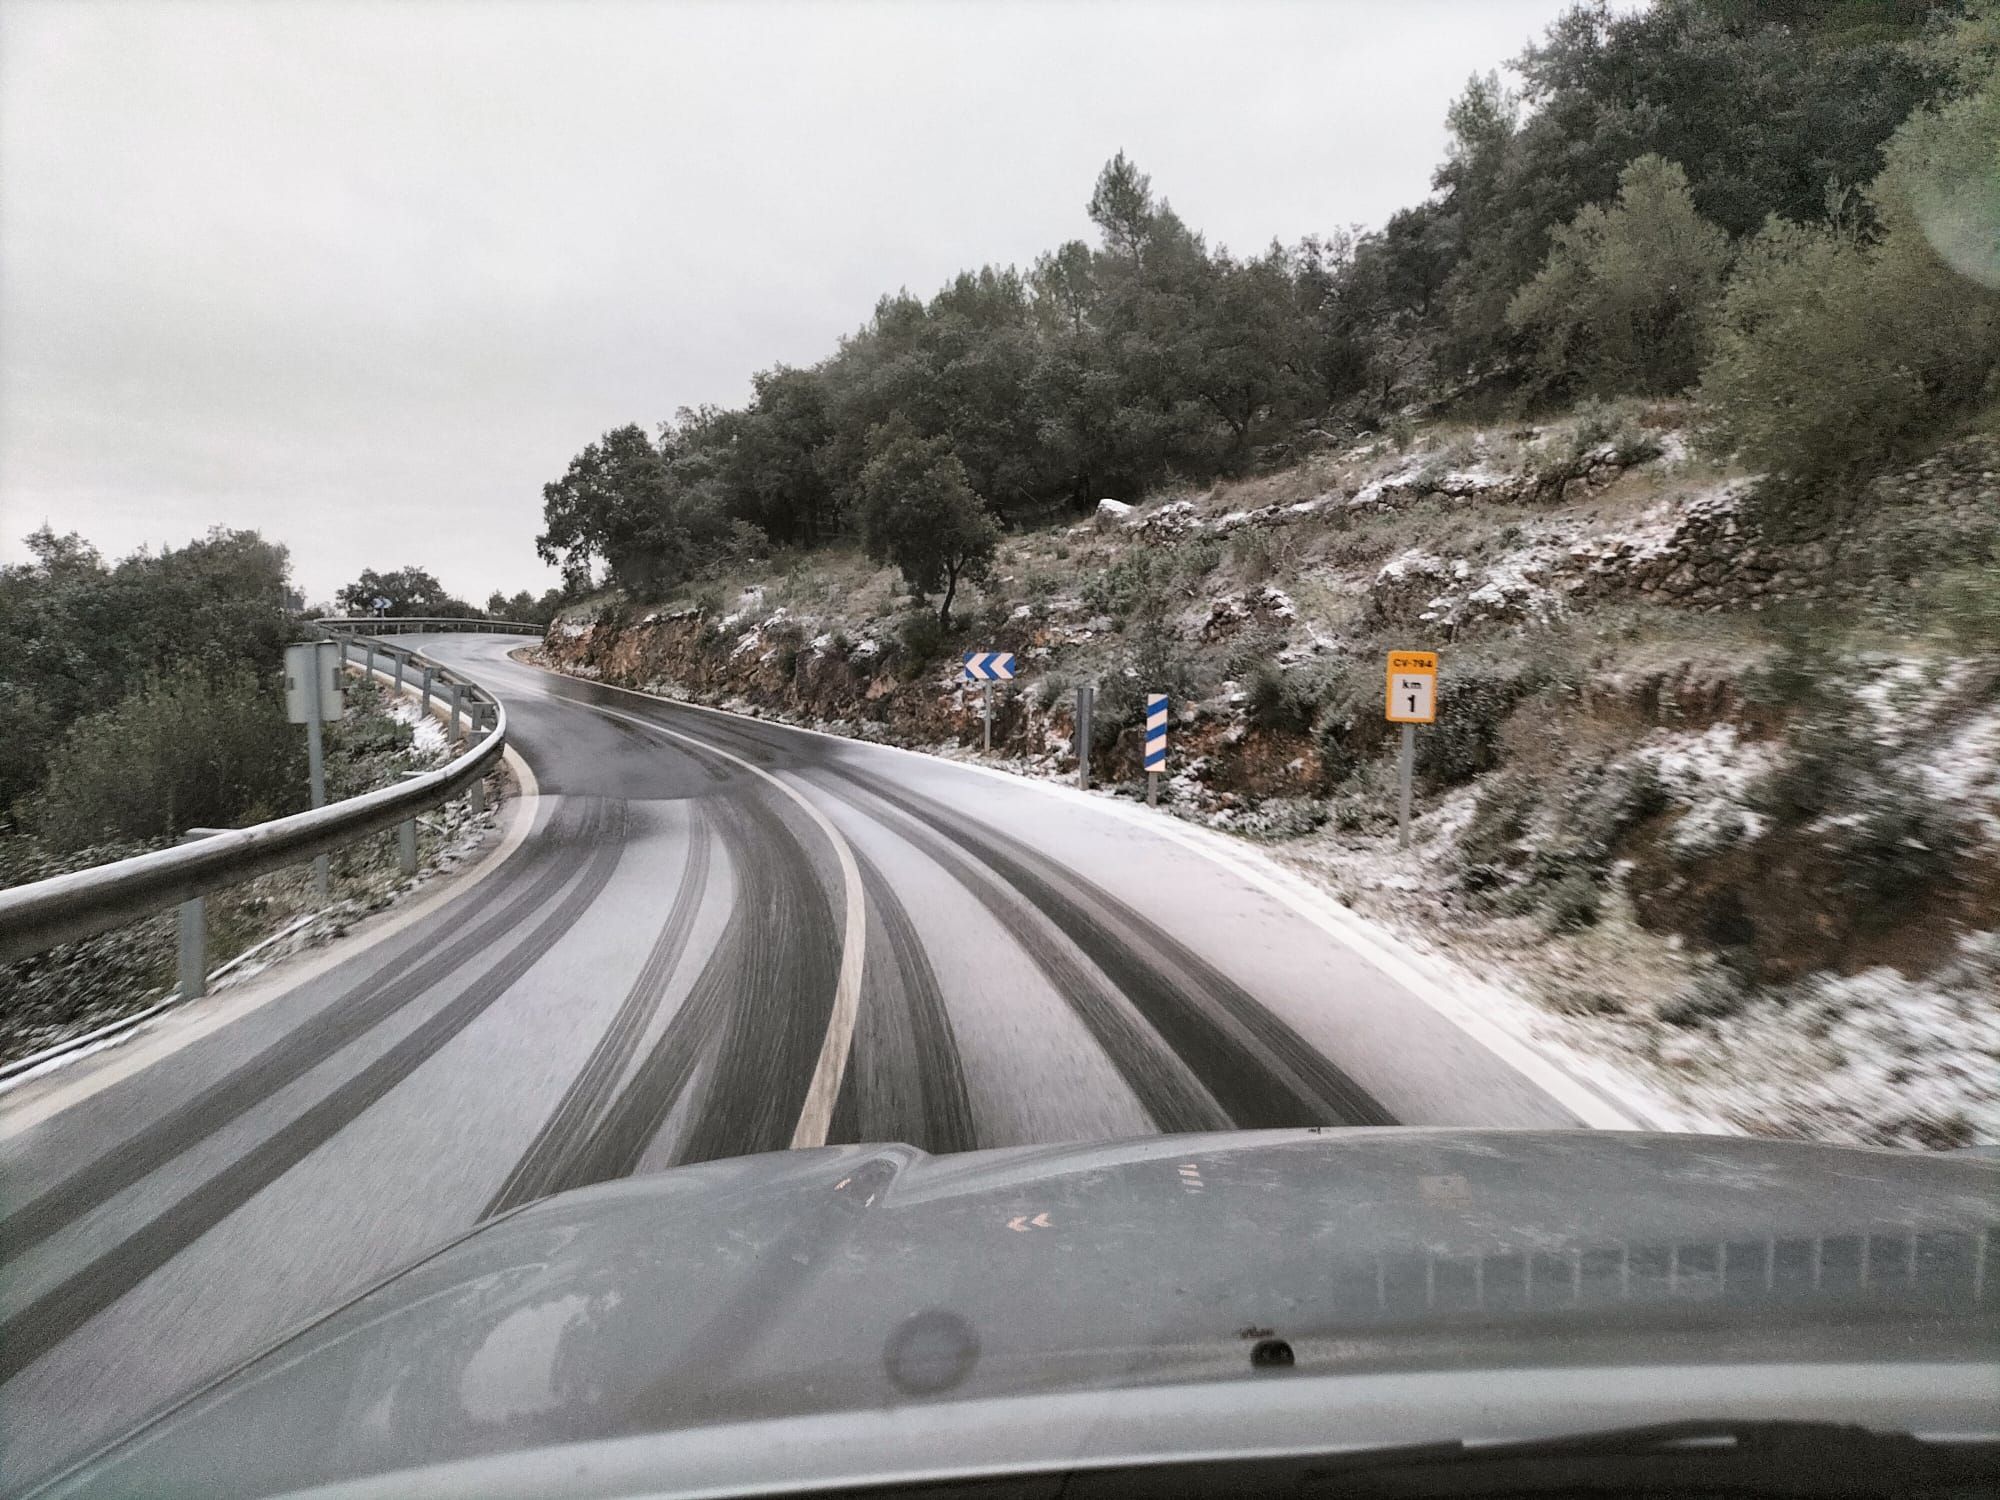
871, 1277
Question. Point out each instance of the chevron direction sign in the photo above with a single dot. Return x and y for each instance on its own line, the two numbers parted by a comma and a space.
1156, 731
989, 666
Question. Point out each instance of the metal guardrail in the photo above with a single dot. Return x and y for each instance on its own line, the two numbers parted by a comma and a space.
65, 907
401, 625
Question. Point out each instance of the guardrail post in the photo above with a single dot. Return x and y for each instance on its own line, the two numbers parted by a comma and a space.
453, 739
406, 846
426, 701
369, 663
194, 949
399, 671
478, 718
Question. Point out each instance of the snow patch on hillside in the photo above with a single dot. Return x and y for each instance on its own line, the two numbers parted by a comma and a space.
1710, 775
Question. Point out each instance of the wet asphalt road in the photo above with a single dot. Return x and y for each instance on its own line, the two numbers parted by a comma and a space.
720, 936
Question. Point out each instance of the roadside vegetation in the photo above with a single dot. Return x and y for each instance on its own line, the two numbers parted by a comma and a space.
413, 593
1686, 457
140, 700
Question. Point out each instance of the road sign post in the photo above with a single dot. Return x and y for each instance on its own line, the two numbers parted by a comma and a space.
1411, 700
312, 696
1156, 745
1085, 700
987, 667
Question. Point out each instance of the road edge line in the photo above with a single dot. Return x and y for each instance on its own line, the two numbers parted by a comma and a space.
816, 1116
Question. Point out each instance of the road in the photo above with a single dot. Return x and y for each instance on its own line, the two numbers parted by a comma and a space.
719, 935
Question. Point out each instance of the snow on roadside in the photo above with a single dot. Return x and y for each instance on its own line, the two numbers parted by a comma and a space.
1874, 1058
427, 736
1709, 774
1965, 771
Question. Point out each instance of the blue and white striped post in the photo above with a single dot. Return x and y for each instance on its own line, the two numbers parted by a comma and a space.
1156, 745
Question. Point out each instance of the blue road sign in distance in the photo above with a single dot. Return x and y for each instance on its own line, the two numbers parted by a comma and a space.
1156, 731
989, 666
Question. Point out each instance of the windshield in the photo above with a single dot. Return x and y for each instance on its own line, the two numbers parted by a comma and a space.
722, 713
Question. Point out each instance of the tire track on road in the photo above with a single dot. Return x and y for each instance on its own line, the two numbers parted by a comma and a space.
362, 1008
776, 1023
941, 1119
57, 1313
766, 859
1165, 1085
1261, 1071
550, 1161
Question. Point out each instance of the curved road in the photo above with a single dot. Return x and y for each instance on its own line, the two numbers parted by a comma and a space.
719, 936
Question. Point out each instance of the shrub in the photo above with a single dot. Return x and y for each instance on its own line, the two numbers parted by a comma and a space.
1133, 585
1193, 561
1280, 818
920, 639
1348, 729
1489, 847
1898, 847
1714, 995
1466, 741
1888, 838
1250, 651
1624, 299
1279, 700
189, 749
1569, 902
1156, 663
1836, 346
1253, 555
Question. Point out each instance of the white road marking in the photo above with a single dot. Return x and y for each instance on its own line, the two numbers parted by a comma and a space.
816, 1118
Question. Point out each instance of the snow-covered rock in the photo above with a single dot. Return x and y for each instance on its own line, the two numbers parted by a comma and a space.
1112, 513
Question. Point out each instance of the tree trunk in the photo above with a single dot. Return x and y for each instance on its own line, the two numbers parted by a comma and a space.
950, 588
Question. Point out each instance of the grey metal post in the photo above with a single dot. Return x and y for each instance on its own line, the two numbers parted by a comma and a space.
989, 716
1405, 765
399, 671
406, 846
478, 782
1152, 789
454, 714
370, 649
426, 700
194, 949
1085, 701
316, 772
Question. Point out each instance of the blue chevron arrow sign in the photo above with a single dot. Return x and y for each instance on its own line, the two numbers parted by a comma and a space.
1156, 731
989, 666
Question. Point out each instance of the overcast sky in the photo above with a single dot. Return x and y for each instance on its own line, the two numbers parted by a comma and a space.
364, 276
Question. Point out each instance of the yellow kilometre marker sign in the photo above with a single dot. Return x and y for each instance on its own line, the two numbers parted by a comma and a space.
1413, 681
